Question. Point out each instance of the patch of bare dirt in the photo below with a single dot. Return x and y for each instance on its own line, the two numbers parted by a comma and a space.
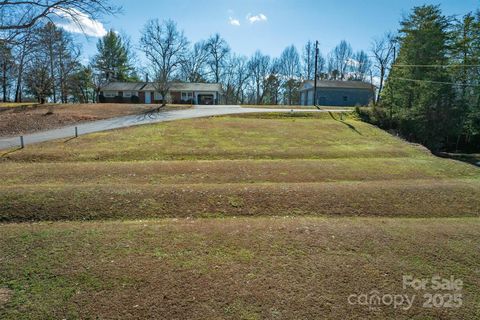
28, 119
5, 296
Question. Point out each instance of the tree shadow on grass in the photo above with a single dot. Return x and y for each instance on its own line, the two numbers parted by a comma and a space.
10, 152
69, 139
351, 127
152, 114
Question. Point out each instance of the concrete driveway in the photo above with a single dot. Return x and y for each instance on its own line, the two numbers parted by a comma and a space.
133, 120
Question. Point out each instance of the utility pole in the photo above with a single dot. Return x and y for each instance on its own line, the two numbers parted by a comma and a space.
315, 76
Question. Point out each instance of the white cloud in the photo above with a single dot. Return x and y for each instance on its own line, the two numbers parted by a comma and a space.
352, 62
257, 18
78, 22
234, 22
376, 80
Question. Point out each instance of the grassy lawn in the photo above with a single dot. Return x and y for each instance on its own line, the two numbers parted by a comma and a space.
281, 106
268, 136
262, 268
473, 158
16, 104
237, 165
265, 216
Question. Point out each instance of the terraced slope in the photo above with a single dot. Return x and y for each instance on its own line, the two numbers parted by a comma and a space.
270, 164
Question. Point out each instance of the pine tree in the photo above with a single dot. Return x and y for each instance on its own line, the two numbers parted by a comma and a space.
421, 98
113, 60
466, 54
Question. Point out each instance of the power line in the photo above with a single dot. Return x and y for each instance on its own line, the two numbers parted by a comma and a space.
438, 65
437, 82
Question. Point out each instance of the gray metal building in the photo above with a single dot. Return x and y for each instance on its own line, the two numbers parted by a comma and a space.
337, 93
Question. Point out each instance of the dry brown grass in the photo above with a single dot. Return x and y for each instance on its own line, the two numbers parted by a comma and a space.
320, 166
16, 104
263, 268
234, 171
31, 118
415, 198
236, 262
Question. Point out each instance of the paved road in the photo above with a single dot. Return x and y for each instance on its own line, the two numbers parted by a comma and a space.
133, 120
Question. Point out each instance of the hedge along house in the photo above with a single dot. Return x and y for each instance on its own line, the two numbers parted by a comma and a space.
337, 93
145, 92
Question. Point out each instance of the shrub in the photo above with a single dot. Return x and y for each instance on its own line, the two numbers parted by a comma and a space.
135, 99
101, 98
118, 99
373, 114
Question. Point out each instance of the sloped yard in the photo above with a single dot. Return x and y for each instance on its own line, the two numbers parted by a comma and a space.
241, 217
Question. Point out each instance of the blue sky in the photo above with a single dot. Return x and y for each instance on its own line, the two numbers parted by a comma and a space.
271, 25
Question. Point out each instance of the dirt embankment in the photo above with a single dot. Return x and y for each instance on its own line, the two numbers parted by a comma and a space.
33, 118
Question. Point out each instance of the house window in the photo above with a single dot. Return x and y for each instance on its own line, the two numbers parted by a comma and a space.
158, 96
187, 95
345, 98
129, 94
110, 94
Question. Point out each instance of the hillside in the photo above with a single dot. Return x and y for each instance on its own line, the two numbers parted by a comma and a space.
237, 165
238, 217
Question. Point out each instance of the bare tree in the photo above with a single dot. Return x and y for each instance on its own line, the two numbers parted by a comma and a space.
165, 47
259, 68
57, 49
68, 64
49, 36
235, 79
340, 59
290, 70
20, 15
218, 50
242, 76
38, 79
193, 66
308, 61
6, 68
382, 50
332, 72
23, 51
361, 66
321, 65
273, 83
20, 22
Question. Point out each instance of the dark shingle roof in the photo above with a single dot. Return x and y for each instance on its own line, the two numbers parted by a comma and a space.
177, 86
341, 84
123, 86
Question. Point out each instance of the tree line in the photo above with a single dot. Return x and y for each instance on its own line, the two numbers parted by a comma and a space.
432, 93
427, 73
258, 79
42, 61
